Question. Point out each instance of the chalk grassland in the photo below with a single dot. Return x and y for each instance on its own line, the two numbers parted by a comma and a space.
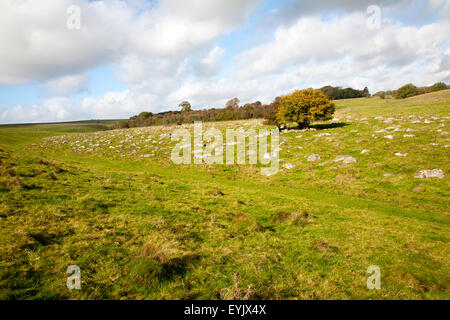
140, 227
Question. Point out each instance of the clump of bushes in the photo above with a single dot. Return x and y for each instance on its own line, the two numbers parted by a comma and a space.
336, 93
408, 90
304, 107
384, 94
438, 86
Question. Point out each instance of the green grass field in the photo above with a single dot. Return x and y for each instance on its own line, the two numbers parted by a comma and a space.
141, 227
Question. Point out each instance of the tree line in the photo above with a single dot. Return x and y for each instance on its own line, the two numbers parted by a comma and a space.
232, 111
271, 112
410, 90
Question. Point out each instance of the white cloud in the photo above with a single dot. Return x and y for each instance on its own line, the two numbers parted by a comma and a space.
38, 45
441, 6
312, 39
210, 65
50, 110
65, 85
116, 105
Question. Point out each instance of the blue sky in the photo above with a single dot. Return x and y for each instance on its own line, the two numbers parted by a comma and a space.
131, 56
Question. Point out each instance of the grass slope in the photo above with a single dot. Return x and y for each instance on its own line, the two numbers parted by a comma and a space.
144, 228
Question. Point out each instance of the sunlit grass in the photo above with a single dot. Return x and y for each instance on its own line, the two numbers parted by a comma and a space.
144, 228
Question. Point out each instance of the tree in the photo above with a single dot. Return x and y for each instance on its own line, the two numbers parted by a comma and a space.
438, 86
185, 106
304, 107
335, 93
232, 103
366, 92
145, 114
408, 90
271, 113
380, 94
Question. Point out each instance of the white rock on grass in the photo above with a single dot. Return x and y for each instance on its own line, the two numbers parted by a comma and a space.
345, 159
398, 154
313, 157
365, 151
435, 173
390, 137
289, 166
408, 136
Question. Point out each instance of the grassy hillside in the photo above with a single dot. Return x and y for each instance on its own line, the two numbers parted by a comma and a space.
139, 226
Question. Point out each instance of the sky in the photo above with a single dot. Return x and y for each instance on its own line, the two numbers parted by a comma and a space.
64, 60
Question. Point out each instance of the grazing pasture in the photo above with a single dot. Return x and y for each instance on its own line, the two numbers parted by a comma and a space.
356, 191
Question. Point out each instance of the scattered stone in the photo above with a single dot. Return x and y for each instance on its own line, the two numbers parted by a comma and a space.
345, 159
435, 173
398, 154
313, 157
365, 151
388, 174
408, 136
289, 166
390, 137
389, 120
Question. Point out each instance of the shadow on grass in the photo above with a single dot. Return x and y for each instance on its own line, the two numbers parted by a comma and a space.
333, 125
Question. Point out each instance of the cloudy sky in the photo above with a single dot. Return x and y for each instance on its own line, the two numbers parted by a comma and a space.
141, 55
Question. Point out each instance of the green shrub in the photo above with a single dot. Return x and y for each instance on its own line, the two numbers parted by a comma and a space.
304, 107
123, 124
145, 114
408, 90
438, 86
